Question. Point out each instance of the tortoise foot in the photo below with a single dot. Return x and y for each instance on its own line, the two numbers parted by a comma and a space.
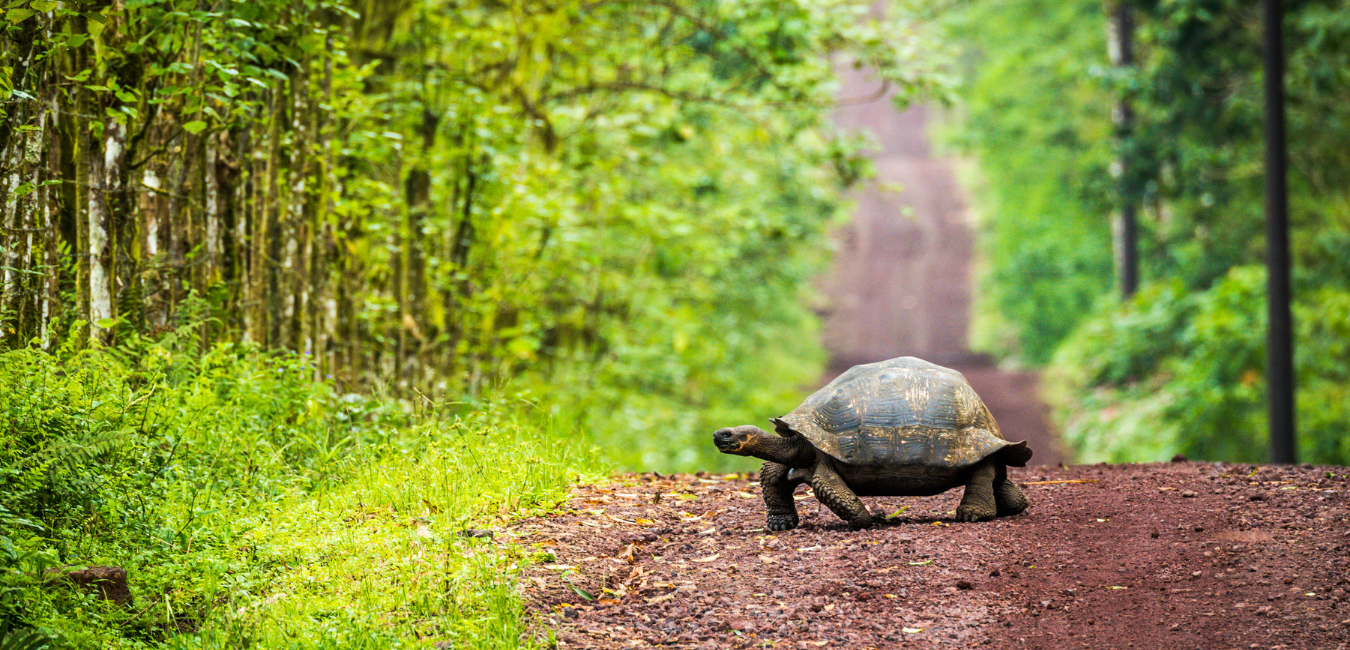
1009, 498
859, 524
781, 522
973, 513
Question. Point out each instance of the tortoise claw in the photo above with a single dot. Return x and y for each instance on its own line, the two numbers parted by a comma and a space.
781, 522
971, 513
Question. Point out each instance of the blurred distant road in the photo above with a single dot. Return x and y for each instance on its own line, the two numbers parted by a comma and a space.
901, 283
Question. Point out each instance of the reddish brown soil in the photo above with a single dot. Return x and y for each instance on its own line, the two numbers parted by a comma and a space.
1175, 555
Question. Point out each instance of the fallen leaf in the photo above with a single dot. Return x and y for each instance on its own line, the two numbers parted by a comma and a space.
897, 513
890, 596
923, 563
942, 524
709, 531
911, 630
1103, 520
1117, 587
808, 549
1072, 480
768, 559
829, 607
628, 554
559, 567
817, 644
609, 601
660, 599
710, 558
643, 522
744, 495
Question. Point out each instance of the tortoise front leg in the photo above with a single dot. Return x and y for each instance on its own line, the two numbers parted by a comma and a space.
978, 504
831, 490
1007, 496
777, 489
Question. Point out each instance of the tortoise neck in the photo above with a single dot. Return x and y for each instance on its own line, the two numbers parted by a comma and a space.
794, 451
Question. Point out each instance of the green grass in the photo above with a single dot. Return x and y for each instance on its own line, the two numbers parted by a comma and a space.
254, 507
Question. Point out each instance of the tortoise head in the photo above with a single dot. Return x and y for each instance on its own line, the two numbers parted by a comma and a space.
788, 447
741, 441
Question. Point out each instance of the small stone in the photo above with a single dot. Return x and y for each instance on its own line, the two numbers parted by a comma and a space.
1197, 574
476, 533
1187, 493
994, 573
1338, 592
964, 585
569, 612
1288, 581
1175, 627
742, 625
1198, 529
1178, 458
1153, 533
1256, 497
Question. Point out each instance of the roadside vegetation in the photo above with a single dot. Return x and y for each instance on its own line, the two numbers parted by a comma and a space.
297, 293
1180, 367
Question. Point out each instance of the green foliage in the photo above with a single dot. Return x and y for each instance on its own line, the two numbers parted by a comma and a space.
1181, 367
253, 506
1178, 372
1040, 127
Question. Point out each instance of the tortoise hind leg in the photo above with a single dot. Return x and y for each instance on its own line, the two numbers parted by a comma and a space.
979, 503
1007, 495
831, 490
777, 489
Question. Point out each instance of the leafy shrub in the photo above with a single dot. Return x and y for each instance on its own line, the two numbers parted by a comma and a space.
1176, 372
212, 475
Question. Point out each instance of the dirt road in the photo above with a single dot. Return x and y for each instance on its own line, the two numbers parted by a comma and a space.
1177, 555
1174, 555
901, 283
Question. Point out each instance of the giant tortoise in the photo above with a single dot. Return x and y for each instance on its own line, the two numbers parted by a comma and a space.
903, 427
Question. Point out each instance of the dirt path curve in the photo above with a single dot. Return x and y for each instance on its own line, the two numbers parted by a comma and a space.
1177, 555
901, 283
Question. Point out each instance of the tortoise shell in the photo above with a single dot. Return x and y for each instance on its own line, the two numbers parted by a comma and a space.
902, 412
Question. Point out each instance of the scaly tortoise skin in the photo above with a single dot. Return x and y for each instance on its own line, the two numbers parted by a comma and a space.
903, 427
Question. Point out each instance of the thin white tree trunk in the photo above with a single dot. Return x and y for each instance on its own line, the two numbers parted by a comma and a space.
100, 285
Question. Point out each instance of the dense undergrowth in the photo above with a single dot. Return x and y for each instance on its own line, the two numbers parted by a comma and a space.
1180, 367
255, 507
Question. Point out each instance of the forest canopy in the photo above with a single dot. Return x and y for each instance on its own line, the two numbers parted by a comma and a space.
440, 196
1180, 367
